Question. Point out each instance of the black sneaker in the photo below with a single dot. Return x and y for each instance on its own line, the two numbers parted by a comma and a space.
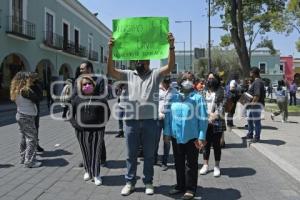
120, 134
247, 137
39, 149
255, 140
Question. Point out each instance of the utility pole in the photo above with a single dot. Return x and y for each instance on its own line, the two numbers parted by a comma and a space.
209, 38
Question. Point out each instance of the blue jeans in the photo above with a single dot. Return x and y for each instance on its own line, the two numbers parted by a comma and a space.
254, 122
167, 145
140, 132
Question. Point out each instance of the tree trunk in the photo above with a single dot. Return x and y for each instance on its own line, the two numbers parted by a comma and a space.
238, 36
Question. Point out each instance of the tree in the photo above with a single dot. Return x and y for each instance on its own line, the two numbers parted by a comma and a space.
246, 20
223, 60
290, 20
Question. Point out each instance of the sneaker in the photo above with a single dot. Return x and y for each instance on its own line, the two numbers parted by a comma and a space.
120, 134
33, 165
217, 172
188, 195
86, 176
247, 137
203, 170
98, 180
255, 140
272, 117
127, 189
149, 189
39, 149
164, 167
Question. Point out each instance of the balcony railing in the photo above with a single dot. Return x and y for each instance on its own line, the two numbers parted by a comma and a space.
53, 40
93, 55
56, 41
74, 49
20, 27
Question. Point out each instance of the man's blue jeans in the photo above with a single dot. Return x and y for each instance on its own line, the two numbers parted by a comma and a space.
254, 122
140, 132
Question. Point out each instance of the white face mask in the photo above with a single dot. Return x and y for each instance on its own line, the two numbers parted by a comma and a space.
187, 85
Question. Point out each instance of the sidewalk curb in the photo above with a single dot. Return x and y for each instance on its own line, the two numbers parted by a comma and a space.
281, 163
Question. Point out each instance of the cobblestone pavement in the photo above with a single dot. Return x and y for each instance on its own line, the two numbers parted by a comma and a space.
246, 174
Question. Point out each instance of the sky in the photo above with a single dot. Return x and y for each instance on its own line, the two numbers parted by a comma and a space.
184, 10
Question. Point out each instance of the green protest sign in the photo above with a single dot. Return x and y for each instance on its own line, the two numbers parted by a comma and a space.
140, 38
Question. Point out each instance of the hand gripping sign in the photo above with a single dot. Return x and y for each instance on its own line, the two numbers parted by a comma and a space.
140, 38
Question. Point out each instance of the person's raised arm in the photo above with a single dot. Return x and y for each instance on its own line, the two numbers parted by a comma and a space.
171, 59
111, 70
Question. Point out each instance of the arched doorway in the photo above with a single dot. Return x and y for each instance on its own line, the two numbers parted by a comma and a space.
44, 69
65, 72
11, 65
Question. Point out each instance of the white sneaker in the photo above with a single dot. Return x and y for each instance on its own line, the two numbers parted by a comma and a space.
217, 172
127, 189
203, 170
149, 189
33, 165
98, 180
86, 176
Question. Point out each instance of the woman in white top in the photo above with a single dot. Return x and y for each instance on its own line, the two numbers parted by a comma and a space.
23, 96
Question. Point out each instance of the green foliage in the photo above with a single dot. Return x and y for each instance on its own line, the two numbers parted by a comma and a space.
259, 17
222, 60
226, 40
268, 44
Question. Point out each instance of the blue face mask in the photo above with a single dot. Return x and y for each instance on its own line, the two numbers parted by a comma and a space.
187, 84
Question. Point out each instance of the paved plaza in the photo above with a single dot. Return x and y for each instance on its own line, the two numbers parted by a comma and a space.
246, 173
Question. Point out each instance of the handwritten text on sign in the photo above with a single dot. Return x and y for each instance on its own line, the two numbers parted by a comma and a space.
141, 38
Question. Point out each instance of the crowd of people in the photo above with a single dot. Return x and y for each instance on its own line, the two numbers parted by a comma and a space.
190, 117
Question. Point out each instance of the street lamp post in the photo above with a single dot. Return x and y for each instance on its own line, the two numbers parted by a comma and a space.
191, 45
209, 35
209, 39
183, 53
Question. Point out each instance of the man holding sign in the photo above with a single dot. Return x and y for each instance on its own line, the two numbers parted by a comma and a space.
141, 109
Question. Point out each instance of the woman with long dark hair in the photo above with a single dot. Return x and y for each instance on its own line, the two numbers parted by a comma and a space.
216, 122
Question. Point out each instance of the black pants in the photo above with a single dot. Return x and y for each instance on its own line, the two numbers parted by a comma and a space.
293, 97
186, 165
65, 111
213, 139
230, 115
91, 145
103, 152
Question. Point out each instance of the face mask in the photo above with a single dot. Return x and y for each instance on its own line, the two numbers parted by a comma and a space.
140, 68
187, 85
88, 89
